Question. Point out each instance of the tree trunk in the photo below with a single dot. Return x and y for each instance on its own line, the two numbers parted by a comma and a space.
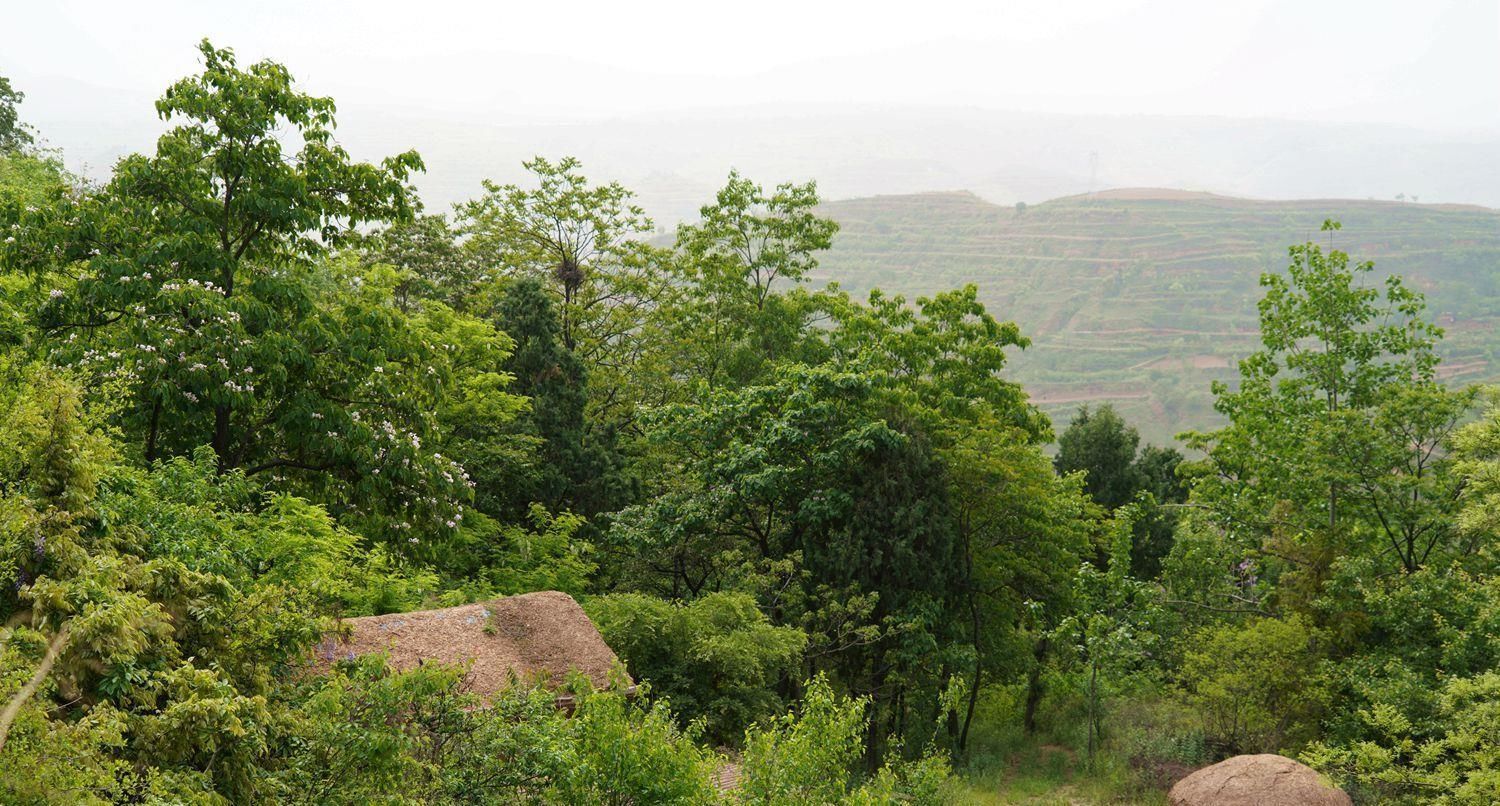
1034, 686
975, 622
221, 437
151, 434
1093, 708
963, 735
13, 707
872, 734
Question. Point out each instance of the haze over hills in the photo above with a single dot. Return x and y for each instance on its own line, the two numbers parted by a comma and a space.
1142, 297
676, 161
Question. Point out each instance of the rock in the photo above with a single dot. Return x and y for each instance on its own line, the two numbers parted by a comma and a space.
530, 637
1263, 780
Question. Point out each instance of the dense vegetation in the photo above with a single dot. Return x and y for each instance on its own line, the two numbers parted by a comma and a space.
1143, 298
249, 386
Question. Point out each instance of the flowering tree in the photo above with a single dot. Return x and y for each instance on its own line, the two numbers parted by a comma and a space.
198, 280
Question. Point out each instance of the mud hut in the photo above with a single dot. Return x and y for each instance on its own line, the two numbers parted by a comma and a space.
532, 637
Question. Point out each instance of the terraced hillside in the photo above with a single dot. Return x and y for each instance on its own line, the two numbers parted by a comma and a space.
1142, 297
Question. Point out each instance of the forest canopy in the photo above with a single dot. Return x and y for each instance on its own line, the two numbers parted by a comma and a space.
250, 386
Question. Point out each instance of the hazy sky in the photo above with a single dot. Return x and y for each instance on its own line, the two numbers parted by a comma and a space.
1433, 64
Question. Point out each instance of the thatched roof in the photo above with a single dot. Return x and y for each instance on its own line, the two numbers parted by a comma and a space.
531, 637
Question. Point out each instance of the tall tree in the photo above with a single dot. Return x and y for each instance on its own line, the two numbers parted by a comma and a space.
1100, 444
1110, 631
431, 262
1022, 531
740, 268
575, 468
13, 134
1103, 447
198, 279
1334, 446
943, 358
586, 244
813, 474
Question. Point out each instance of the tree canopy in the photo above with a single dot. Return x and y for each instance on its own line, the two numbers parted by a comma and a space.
250, 388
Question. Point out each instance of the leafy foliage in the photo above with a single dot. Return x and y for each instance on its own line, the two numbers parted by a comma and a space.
246, 390
1256, 684
718, 659
13, 134
812, 757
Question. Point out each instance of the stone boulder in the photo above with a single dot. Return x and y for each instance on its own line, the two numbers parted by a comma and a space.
1263, 780
531, 637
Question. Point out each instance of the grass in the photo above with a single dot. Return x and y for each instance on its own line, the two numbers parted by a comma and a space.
1038, 774
1006, 766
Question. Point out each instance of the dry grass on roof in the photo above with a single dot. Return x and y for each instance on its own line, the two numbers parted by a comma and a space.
530, 637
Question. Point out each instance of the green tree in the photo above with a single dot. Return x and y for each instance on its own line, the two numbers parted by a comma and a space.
586, 244
815, 471
1256, 684
943, 359
717, 658
1101, 445
812, 756
13, 135
740, 269
29, 181
1334, 446
431, 262
1477, 448
1403, 764
164, 664
1157, 470
576, 468
199, 276
1023, 532
1112, 627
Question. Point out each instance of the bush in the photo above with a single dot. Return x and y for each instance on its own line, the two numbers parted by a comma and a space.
717, 658
814, 755
624, 754
1255, 684
365, 734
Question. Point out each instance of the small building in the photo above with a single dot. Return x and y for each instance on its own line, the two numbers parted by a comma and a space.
532, 638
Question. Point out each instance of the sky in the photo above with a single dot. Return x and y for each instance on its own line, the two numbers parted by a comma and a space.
1430, 64
1016, 100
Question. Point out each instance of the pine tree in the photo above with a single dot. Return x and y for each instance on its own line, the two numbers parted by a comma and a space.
576, 465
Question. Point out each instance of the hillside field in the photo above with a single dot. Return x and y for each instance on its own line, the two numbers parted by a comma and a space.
1143, 297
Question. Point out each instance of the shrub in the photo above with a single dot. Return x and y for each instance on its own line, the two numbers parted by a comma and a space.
717, 658
814, 755
1459, 767
626, 754
1255, 684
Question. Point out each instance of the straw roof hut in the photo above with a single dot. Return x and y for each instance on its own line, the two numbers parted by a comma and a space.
530, 637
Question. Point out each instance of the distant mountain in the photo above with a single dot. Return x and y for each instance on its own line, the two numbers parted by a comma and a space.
675, 161
1142, 297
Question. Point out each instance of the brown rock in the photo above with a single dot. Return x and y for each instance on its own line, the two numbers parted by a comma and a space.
533, 637
1262, 780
